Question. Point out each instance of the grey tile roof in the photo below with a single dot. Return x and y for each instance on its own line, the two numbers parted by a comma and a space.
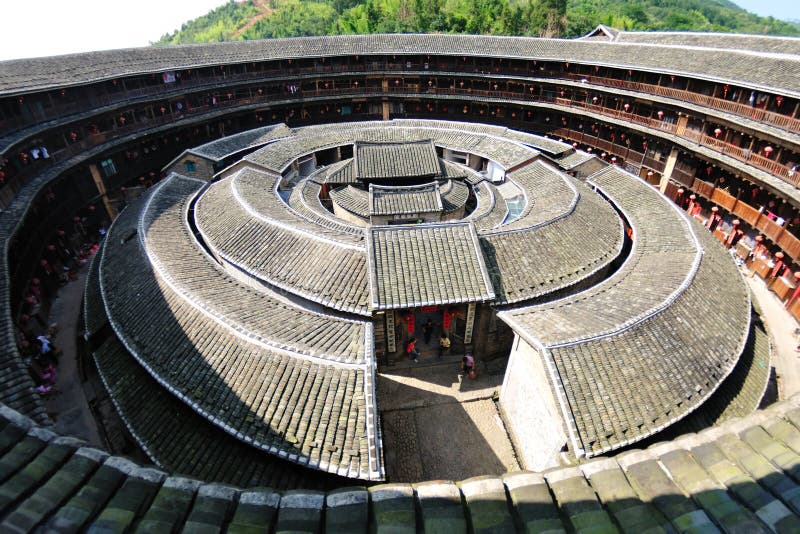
94, 314
291, 258
176, 256
548, 193
480, 139
339, 173
426, 264
755, 70
221, 148
388, 161
393, 200
530, 263
454, 195
740, 475
740, 394
543, 144
277, 156
258, 193
772, 44
269, 398
353, 199
192, 446
491, 208
457, 171
305, 200
664, 262
576, 158
621, 385
625, 387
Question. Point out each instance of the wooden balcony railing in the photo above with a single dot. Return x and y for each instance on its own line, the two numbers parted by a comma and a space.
770, 117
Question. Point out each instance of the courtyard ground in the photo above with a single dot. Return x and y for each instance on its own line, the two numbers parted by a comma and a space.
438, 424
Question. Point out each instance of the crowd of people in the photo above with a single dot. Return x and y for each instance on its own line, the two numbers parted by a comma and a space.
70, 248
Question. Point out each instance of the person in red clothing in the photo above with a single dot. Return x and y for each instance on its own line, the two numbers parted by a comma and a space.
411, 349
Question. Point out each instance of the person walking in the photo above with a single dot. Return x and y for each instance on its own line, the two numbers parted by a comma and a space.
411, 349
468, 365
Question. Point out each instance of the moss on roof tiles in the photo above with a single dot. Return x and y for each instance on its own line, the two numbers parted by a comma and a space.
179, 440
268, 397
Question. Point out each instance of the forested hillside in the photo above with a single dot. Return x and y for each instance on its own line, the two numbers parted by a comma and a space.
258, 19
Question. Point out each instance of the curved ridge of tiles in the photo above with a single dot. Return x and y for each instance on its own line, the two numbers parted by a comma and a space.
305, 200
653, 257
284, 255
569, 249
539, 180
206, 358
351, 199
192, 273
648, 258
258, 192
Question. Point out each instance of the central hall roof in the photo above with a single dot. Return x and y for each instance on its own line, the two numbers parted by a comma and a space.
382, 161
386, 200
426, 264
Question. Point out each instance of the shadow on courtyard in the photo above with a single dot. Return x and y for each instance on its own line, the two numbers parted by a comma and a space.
439, 425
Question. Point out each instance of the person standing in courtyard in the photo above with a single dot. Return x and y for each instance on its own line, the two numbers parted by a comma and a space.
444, 344
427, 331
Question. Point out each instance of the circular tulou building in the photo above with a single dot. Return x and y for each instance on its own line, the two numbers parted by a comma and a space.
280, 220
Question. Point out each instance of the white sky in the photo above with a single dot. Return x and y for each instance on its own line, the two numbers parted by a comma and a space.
53, 27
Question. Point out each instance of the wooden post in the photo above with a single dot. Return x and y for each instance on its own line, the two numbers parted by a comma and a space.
681, 125
101, 188
668, 168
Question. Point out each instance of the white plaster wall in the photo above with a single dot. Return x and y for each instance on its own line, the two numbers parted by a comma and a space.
347, 216
532, 415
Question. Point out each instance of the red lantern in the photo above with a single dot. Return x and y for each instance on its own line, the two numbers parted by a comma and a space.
660, 115
717, 132
627, 107
768, 150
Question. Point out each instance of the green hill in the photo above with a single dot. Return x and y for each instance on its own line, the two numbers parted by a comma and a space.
258, 19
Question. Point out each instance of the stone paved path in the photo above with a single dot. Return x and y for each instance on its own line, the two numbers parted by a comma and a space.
70, 409
782, 327
438, 425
